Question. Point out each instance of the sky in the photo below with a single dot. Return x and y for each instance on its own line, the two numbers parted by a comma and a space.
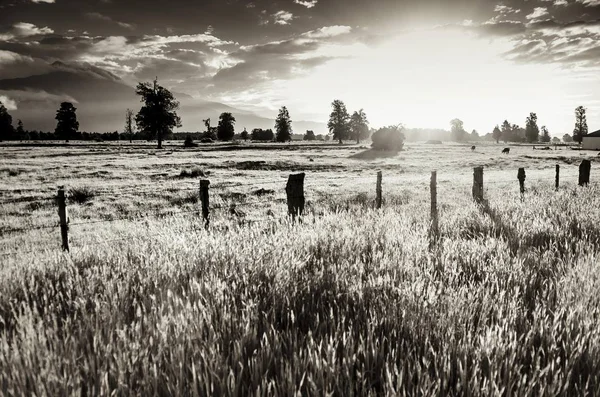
416, 62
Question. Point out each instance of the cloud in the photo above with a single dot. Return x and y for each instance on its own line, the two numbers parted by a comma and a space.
101, 17
24, 29
282, 17
589, 3
8, 103
43, 1
307, 4
538, 13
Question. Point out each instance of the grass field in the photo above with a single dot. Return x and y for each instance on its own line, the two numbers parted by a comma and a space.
350, 301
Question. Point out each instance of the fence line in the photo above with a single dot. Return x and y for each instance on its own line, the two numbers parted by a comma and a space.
295, 191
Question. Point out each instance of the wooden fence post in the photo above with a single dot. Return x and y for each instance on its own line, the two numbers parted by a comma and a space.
584, 172
557, 181
64, 218
521, 177
435, 230
204, 198
378, 200
295, 194
478, 185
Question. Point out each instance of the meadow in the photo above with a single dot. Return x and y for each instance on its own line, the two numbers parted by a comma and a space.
350, 301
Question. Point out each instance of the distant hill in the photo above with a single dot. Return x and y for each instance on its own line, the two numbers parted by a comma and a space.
101, 99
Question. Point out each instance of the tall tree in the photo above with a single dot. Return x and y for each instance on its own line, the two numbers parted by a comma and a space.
158, 116
283, 126
244, 135
497, 134
129, 123
545, 135
532, 132
581, 127
359, 125
226, 129
506, 131
474, 135
6, 128
457, 130
67, 124
20, 131
339, 118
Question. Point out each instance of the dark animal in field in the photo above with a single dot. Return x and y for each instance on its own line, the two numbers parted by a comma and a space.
506, 150
473, 148
598, 154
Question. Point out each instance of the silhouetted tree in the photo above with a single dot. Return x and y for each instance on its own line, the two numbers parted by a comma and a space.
497, 134
283, 126
244, 134
226, 129
474, 135
457, 130
158, 116
388, 138
258, 134
506, 131
545, 135
581, 127
339, 118
6, 128
309, 136
67, 125
359, 125
129, 124
532, 132
567, 138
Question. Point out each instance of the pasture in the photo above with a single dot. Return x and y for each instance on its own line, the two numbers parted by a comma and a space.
350, 301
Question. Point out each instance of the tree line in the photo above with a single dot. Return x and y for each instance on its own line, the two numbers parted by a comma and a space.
158, 117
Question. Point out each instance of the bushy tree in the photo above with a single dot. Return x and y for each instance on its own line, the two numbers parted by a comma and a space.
309, 136
497, 134
581, 127
545, 135
67, 125
567, 138
258, 134
339, 121
555, 140
532, 132
6, 127
474, 135
457, 130
506, 131
226, 129
359, 126
388, 138
158, 116
283, 126
244, 135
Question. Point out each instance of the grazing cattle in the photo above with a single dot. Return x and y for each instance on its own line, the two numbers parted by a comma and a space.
473, 148
506, 150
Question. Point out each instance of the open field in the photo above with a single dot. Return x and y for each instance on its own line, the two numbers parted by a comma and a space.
351, 301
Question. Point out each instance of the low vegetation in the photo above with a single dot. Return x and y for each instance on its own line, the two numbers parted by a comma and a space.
351, 301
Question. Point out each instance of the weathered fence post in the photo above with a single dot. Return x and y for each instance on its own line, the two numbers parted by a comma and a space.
584, 172
64, 218
295, 194
435, 231
478, 185
521, 177
204, 199
378, 200
557, 181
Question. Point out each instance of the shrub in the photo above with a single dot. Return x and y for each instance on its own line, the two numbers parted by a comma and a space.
81, 195
388, 138
189, 142
194, 173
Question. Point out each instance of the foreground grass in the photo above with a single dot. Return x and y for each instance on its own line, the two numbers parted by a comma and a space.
349, 302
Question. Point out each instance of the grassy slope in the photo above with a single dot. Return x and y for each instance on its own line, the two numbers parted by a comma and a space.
351, 301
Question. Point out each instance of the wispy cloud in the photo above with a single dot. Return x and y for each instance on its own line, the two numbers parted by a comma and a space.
307, 3
43, 1
101, 17
282, 17
538, 13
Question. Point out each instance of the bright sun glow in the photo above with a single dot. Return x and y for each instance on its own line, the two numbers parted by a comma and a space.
426, 78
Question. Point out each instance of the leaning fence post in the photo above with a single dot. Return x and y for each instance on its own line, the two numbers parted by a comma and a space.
204, 198
478, 185
64, 219
584, 172
434, 212
378, 200
556, 182
295, 194
521, 177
